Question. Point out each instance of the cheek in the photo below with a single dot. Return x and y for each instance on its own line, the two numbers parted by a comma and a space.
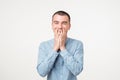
54, 28
66, 27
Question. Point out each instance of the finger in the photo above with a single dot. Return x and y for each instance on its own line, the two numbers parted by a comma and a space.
59, 31
64, 31
56, 32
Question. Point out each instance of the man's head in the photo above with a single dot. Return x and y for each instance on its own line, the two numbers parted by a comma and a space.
60, 21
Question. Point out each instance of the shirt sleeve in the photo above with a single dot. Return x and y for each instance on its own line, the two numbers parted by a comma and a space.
74, 62
46, 60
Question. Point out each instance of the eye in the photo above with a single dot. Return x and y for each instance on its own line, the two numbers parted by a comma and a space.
56, 22
64, 23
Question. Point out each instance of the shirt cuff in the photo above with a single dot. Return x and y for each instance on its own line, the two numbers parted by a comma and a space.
64, 53
54, 52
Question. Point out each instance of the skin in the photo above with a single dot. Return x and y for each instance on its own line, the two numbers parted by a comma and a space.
60, 26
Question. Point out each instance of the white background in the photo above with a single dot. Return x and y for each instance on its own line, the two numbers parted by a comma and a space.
26, 23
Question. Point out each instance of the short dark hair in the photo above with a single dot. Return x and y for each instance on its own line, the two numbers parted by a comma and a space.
62, 13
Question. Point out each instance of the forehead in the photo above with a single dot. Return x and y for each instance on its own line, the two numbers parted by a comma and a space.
60, 18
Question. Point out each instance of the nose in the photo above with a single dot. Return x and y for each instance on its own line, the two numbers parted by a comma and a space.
60, 26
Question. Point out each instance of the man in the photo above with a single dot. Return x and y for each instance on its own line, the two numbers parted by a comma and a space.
60, 58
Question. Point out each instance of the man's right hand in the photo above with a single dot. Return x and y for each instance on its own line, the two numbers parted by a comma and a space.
56, 40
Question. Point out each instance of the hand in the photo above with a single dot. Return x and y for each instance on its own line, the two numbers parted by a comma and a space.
56, 40
62, 37
59, 39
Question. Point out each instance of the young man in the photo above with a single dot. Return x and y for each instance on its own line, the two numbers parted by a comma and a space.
60, 58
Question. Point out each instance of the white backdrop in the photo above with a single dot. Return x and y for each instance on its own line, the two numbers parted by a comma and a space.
26, 23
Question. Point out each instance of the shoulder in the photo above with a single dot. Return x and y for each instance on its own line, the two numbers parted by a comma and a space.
45, 43
73, 45
75, 41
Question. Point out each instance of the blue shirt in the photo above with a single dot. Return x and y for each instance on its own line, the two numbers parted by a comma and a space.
62, 65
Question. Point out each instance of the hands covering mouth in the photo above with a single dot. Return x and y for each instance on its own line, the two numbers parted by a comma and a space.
60, 36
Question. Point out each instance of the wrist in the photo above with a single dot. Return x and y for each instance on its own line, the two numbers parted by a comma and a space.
62, 48
55, 49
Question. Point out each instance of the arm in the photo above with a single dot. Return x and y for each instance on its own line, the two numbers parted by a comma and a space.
74, 62
45, 60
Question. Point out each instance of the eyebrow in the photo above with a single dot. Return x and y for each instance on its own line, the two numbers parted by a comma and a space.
62, 21
65, 21
55, 21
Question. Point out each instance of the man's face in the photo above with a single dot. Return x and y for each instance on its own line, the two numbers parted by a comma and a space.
60, 22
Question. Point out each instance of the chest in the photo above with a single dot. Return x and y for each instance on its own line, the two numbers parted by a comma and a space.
59, 61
